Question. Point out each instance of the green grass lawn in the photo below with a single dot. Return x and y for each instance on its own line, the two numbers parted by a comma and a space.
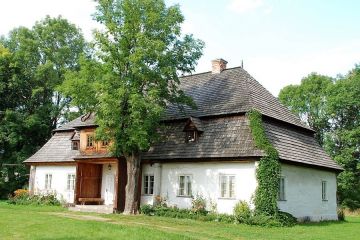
29, 222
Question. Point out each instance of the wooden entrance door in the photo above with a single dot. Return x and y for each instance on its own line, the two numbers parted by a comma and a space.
90, 180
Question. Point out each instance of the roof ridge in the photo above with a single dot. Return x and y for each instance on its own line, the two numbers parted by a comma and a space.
195, 74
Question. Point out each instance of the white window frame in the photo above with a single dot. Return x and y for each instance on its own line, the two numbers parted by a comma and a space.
48, 184
70, 181
90, 140
282, 189
227, 186
148, 185
185, 191
324, 190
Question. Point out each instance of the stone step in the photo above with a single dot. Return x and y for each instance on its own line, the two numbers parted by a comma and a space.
107, 209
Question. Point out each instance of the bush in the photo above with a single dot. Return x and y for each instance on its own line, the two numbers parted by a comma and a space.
242, 212
147, 209
23, 197
286, 219
198, 205
175, 212
341, 214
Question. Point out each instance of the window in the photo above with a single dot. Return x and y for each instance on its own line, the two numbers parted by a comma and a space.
104, 144
281, 196
149, 184
191, 136
323, 191
70, 182
227, 186
48, 181
184, 185
90, 141
75, 145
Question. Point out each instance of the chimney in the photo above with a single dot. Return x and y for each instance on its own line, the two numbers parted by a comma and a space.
218, 65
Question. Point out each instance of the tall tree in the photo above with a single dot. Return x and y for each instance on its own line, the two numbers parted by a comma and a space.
332, 108
32, 64
343, 138
142, 53
308, 101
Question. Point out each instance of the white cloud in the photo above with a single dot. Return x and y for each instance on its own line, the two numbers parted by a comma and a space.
17, 13
242, 6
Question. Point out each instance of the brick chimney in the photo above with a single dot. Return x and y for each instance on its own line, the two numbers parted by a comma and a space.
218, 65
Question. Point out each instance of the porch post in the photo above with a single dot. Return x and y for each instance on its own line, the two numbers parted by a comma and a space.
77, 184
157, 182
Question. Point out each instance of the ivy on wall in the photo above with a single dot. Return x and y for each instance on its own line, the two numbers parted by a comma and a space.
268, 170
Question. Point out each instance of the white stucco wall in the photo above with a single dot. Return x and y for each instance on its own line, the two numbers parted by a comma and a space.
303, 193
59, 181
205, 181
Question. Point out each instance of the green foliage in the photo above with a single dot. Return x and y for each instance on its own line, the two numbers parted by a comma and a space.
147, 209
22, 197
142, 53
268, 170
331, 107
174, 212
308, 100
32, 64
198, 205
242, 212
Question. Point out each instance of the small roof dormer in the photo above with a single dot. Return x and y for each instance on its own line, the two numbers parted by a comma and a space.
192, 129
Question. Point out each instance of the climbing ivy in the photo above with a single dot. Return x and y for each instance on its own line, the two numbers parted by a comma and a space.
268, 170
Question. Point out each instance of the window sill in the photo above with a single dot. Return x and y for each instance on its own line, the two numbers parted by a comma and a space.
227, 198
147, 195
282, 200
184, 196
324, 200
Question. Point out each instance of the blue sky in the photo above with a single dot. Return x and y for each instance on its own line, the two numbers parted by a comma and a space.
280, 41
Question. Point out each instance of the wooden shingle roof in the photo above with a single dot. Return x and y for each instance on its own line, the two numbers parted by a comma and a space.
57, 149
232, 91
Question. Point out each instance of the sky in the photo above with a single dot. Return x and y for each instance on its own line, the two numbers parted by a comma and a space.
279, 41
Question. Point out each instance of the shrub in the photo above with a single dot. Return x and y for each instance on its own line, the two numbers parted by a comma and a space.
286, 219
23, 197
147, 209
341, 214
198, 205
242, 212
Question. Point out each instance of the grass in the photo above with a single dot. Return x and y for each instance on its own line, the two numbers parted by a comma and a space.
33, 222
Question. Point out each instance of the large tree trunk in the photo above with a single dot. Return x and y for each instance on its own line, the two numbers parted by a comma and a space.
132, 187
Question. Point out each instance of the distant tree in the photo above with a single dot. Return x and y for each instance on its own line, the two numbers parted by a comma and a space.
32, 64
343, 138
308, 101
141, 52
332, 108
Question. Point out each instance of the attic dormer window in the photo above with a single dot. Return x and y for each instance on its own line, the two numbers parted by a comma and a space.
191, 136
192, 129
75, 145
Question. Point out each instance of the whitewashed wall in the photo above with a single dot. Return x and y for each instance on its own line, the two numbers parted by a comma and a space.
59, 180
205, 181
303, 193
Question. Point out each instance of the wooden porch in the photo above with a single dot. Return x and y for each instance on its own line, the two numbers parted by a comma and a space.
100, 182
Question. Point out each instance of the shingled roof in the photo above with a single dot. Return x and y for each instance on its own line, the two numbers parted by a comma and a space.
230, 92
221, 138
57, 149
